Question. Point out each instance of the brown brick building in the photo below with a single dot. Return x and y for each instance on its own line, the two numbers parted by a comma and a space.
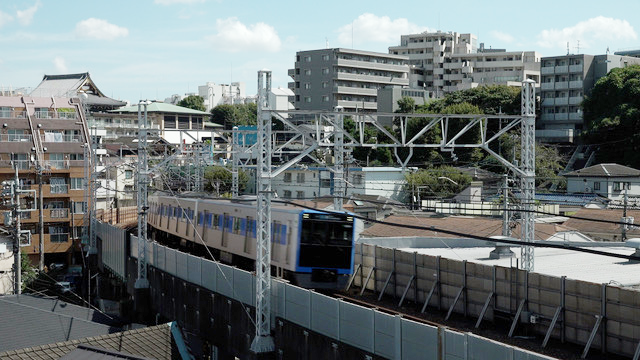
48, 135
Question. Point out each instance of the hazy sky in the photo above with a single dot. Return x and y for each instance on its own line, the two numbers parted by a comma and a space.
151, 49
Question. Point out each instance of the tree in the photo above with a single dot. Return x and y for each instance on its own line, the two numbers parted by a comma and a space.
439, 182
612, 115
235, 115
219, 180
194, 102
28, 271
490, 99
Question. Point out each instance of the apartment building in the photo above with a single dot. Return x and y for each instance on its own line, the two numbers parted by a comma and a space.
313, 182
427, 53
565, 81
48, 134
442, 62
326, 78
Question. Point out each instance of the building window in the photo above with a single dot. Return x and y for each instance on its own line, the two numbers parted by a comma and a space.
325, 183
78, 183
80, 207
325, 84
300, 177
300, 194
17, 135
325, 57
58, 185
325, 98
596, 185
325, 71
287, 177
76, 156
58, 234
307, 72
183, 122
128, 174
56, 161
196, 123
287, 194
169, 122
307, 59
307, 86
357, 179
307, 99
20, 161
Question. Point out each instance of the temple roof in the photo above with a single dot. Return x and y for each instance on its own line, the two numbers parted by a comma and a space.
71, 85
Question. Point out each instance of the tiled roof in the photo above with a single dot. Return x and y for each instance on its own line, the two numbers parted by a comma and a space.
160, 107
605, 170
68, 85
485, 227
586, 226
151, 342
27, 320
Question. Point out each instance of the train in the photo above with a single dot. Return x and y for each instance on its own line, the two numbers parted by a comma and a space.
310, 248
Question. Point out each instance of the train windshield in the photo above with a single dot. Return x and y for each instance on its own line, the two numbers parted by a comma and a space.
326, 240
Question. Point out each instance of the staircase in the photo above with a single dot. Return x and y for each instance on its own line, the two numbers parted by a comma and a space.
584, 156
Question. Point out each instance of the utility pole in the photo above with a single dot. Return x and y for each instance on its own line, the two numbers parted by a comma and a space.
625, 220
41, 216
263, 341
17, 259
506, 230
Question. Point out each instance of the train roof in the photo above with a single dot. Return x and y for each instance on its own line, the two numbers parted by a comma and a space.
242, 202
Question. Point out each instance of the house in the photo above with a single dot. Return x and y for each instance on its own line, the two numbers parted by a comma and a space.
612, 181
46, 141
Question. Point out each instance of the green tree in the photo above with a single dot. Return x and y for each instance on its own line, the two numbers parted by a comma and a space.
438, 182
612, 115
406, 105
219, 180
235, 115
490, 99
194, 102
28, 271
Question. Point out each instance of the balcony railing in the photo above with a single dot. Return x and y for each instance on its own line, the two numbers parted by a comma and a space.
56, 164
15, 137
59, 188
59, 137
69, 115
62, 237
59, 213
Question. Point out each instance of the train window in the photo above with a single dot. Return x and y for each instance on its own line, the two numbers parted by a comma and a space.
251, 227
209, 220
326, 240
279, 233
200, 218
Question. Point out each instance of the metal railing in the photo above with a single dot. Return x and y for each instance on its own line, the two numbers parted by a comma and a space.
59, 188
59, 238
15, 137
59, 137
59, 213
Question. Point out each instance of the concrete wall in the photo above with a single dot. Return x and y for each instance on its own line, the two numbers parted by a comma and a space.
582, 302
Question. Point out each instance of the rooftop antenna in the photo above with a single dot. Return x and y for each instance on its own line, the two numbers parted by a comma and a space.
567, 48
326, 43
607, 50
578, 48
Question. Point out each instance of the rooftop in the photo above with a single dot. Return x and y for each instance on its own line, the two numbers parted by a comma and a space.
605, 170
160, 107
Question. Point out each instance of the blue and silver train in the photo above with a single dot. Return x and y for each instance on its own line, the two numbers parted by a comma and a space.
310, 248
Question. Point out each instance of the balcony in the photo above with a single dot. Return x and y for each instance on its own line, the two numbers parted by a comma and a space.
575, 100
547, 86
575, 116
562, 101
561, 69
561, 85
56, 164
15, 137
56, 214
292, 73
548, 102
576, 84
53, 243
562, 116
575, 68
373, 78
59, 137
547, 70
355, 90
372, 65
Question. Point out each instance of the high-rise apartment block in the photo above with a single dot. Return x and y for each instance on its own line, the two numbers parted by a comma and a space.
565, 81
443, 62
46, 140
324, 79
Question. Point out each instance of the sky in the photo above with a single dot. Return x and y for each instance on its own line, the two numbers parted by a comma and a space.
151, 49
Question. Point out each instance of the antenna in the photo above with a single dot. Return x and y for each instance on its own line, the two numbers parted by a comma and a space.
326, 43
578, 48
567, 48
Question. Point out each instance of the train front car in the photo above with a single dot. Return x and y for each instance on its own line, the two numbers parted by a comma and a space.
326, 249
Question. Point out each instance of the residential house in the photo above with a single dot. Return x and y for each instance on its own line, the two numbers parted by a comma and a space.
612, 181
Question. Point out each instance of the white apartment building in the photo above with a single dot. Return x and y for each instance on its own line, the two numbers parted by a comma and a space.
442, 62
313, 182
219, 94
